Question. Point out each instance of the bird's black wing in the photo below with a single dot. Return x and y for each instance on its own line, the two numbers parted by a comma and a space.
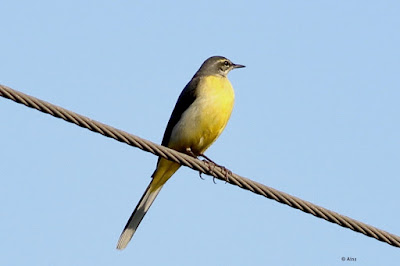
187, 97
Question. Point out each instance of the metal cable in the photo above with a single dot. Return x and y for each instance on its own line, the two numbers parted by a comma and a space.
198, 165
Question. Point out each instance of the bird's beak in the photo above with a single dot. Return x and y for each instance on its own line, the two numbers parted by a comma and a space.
237, 66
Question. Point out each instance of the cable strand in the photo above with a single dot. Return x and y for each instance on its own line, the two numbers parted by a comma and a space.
198, 165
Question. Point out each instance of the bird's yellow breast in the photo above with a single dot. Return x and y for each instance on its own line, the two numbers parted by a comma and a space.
206, 117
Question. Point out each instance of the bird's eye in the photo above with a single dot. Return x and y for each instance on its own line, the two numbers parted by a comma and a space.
226, 63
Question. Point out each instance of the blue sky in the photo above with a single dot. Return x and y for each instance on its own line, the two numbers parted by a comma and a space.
316, 115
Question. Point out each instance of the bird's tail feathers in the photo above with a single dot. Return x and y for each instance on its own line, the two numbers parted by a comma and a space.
141, 209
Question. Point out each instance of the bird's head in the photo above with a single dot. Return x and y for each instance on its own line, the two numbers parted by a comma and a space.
217, 65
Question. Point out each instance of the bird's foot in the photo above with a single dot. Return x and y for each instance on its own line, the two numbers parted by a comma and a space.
191, 153
211, 166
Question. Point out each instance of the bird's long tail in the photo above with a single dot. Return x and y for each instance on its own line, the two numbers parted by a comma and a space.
165, 169
141, 209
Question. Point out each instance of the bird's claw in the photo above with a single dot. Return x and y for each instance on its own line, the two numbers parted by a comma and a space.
211, 166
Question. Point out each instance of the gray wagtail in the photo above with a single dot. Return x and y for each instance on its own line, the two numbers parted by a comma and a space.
200, 115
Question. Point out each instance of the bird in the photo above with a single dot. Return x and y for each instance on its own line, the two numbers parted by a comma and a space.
200, 115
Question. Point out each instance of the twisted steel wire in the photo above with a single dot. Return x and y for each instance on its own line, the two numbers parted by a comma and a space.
198, 165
